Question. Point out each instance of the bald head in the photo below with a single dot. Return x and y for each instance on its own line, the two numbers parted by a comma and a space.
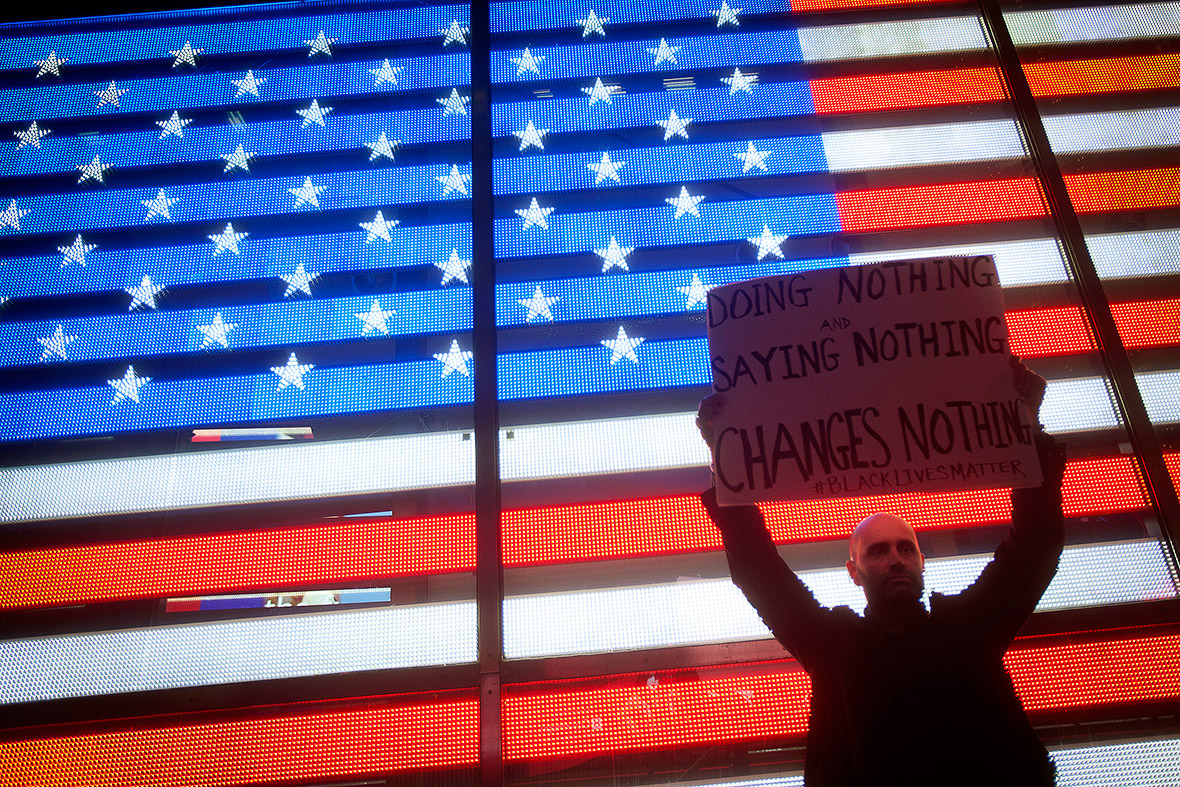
877, 527
884, 560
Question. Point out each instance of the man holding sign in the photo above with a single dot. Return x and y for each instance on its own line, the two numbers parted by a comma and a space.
901, 695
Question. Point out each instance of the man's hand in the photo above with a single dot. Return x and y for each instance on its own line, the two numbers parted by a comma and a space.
707, 414
1050, 452
1030, 386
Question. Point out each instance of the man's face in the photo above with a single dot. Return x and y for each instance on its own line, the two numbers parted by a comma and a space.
885, 560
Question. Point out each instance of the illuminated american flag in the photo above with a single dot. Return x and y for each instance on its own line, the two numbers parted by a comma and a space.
262, 219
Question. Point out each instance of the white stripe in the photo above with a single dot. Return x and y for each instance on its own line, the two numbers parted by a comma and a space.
235, 476
354, 467
884, 39
915, 146
201, 654
1138, 764
1124, 130
1020, 263
994, 140
1150, 763
710, 611
1161, 395
535, 626
1121, 255
1127, 255
1094, 23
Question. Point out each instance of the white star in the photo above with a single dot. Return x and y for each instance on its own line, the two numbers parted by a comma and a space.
454, 360
92, 171
239, 159
186, 54
685, 202
454, 104
216, 332
321, 44
127, 386
51, 64
614, 255
527, 62
292, 373
695, 291
248, 84
455, 34
307, 194
173, 126
158, 206
531, 136
299, 281
664, 52
383, 147
674, 126
143, 294
534, 215
386, 73
12, 215
378, 228
54, 345
605, 168
454, 268
622, 346
30, 136
109, 95
752, 157
76, 252
454, 181
601, 92
227, 240
739, 81
726, 15
593, 23
538, 305
313, 114
768, 243
375, 319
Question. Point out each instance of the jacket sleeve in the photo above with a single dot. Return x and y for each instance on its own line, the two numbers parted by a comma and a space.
1007, 592
784, 603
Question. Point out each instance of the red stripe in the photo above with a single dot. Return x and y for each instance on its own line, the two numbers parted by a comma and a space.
977, 202
910, 90
749, 702
694, 712
1063, 331
873, 210
1111, 192
1034, 333
1103, 75
376, 550
799, 6
948, 87
1148, 323
292, 748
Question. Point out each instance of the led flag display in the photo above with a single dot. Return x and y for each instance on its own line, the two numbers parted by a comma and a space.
261, 219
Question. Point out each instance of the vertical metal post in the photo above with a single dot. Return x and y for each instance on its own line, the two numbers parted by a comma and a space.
489, 578
1077, 255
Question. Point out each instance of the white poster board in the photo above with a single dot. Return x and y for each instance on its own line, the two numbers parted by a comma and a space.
866, 380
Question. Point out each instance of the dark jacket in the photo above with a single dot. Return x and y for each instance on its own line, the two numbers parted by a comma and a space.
932, 704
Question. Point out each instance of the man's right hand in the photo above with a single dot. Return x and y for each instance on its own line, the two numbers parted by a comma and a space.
707, 414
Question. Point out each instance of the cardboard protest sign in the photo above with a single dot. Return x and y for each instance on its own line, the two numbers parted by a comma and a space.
866, 380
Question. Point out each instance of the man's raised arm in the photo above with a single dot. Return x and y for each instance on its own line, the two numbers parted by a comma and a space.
781, 599
1009, 588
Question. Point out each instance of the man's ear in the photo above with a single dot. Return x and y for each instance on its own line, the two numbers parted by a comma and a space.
852, 572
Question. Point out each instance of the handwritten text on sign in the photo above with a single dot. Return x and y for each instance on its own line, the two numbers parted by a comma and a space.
867, 380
